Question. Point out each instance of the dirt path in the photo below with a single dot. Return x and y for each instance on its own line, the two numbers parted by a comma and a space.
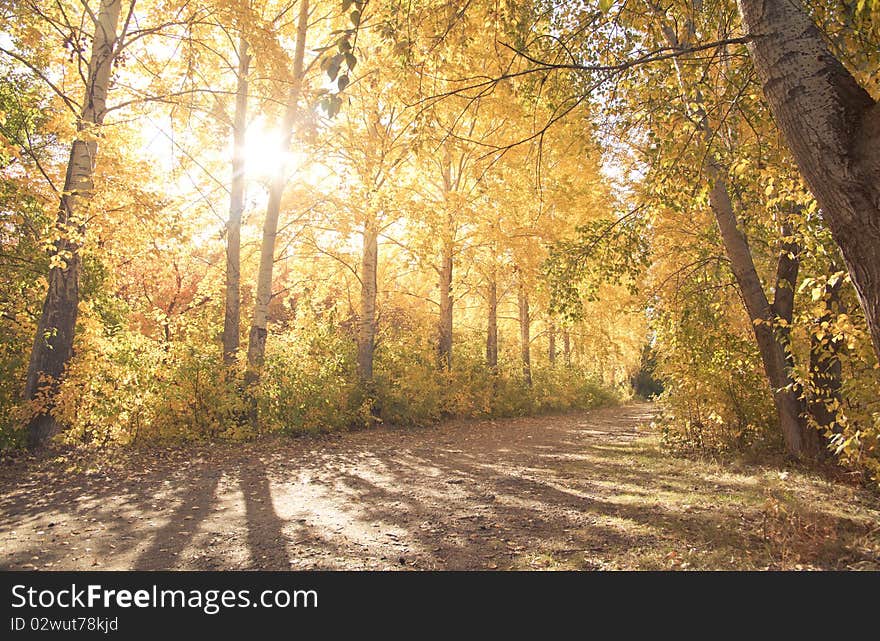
580, 491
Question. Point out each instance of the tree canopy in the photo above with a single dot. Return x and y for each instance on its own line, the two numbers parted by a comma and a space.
235, 217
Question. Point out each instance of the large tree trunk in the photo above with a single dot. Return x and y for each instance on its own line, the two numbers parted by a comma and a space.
53, 344
525, 334
232, 317
492, 326
258, 331
775, 358
832, 127
444, 342
367, 326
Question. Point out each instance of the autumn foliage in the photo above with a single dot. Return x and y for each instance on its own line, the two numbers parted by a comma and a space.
497, 210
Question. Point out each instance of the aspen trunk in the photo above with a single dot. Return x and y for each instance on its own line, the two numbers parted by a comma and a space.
775, 358
525, 335
53, 344
832, 127
782, 309
232, 316
257, 336
367, 325
566, 348
492, 327
444, 344
551, 342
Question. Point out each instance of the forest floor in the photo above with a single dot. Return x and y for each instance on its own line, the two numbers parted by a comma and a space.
587, 490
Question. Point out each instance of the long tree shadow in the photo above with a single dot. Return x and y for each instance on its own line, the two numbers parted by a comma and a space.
180, 529
578, 492
99, 516
508, 510
265, 529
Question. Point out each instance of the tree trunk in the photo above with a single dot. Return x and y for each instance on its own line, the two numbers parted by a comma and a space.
775, 358
258, 331
444, 343
524, 335
53, 344
232, 317
782, 308
832, 127
551, 342
367, 326
492, 327
566, 348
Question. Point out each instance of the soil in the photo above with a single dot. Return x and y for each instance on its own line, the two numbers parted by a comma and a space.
587, 490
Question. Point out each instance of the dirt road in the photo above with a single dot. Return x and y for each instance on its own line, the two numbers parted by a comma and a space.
587, 490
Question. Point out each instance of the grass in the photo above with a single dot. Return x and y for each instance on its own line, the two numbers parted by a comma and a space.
664, 512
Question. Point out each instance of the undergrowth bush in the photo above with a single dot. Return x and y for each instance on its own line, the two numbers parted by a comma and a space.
125, 388
715, 396
410, 390
309, 384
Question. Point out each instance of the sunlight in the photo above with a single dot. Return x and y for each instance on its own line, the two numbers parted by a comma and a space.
434, 286
263, 154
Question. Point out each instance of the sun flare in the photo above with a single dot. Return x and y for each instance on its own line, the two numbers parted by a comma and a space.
263, 152
264, 156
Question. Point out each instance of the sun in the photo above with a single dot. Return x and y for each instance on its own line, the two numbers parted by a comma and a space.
264, 156
263, 152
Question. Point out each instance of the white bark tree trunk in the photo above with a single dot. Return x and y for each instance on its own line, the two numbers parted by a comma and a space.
232, 317
444, 341
832, 127
367, 325
259, 330
525, 334
492, 326
53, 344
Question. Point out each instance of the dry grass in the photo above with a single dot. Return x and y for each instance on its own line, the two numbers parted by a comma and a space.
727, 515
